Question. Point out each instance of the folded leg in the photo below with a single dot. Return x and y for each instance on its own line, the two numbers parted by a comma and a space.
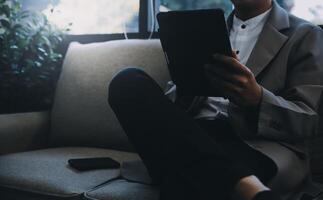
165, 137
169, 141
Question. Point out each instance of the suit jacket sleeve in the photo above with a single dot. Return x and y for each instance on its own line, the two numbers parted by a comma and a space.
292, 115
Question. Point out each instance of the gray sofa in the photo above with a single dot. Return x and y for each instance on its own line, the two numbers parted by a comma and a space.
35, 147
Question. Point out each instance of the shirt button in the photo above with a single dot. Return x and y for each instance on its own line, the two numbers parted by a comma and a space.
243, 26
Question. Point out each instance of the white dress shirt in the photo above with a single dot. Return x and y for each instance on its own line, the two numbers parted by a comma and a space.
243, 36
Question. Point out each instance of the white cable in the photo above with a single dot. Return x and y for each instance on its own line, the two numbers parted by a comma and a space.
125, 29
152, 7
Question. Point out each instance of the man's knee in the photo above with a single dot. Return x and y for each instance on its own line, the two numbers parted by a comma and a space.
127, 83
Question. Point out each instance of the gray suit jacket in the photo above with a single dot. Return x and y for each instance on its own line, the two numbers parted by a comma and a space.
287, 62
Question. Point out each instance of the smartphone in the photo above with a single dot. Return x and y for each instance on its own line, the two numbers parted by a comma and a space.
85, 164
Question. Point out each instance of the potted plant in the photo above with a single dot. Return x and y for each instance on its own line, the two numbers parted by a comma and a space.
29, 58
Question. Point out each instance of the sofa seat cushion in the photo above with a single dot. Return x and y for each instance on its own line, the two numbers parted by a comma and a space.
123, 190
47, 172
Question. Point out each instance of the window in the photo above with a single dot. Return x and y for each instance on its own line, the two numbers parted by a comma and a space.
90, 17
105, 17
311, 10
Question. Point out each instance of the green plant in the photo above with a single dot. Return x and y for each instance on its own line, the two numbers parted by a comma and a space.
29, 60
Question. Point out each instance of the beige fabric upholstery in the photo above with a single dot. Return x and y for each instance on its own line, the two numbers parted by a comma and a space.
23, 131
47, 171
81, 114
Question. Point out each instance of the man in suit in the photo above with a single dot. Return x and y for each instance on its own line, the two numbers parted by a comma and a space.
207, 147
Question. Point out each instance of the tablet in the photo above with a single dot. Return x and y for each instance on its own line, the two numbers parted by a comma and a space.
189, 39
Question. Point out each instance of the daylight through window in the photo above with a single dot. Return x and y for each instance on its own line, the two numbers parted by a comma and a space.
311, 10
90, 17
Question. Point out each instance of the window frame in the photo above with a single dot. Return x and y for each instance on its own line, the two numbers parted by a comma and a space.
143, 29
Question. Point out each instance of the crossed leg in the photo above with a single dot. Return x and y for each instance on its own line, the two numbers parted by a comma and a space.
173, 146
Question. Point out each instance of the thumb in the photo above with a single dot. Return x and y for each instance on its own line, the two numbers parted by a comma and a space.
234, 55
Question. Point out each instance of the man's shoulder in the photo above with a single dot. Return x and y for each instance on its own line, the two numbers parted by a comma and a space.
301, 26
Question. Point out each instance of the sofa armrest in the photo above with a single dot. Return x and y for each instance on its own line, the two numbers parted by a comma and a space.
23, 131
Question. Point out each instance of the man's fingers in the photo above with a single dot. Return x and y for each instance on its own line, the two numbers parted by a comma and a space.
228, 89
233, 78
221, 67
231, 63
235, 56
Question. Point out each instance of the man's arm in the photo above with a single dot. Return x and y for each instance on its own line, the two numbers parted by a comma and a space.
293, 114
290, 115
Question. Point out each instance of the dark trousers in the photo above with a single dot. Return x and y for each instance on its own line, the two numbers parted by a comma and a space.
180, 153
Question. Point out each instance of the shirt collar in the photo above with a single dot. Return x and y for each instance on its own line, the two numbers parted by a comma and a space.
251, 23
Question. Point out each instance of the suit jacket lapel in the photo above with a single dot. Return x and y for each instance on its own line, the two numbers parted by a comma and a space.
270, 41
266, 48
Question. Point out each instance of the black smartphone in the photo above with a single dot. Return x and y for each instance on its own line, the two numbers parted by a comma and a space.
84, 164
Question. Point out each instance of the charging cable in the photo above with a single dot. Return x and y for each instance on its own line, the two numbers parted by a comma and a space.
153, 12
153, 23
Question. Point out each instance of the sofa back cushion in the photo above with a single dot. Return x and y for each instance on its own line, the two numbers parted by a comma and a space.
81, 115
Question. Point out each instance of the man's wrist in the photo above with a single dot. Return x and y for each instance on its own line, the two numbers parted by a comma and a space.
258, 100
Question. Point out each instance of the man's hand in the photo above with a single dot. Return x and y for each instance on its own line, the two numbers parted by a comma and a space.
234, 81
